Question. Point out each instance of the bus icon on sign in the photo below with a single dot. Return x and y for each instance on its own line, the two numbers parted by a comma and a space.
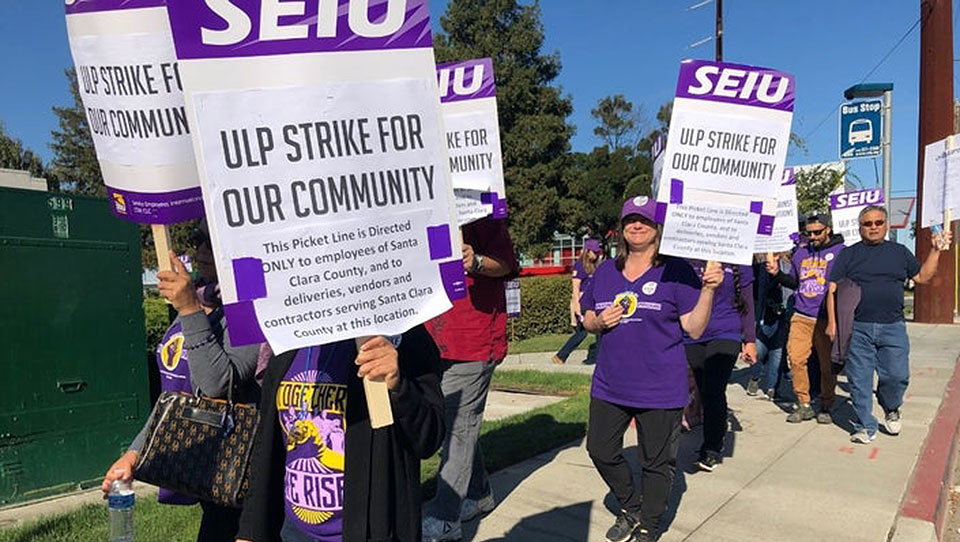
861, 131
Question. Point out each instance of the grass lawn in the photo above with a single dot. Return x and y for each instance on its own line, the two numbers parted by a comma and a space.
546, 343
530, 381
505, 442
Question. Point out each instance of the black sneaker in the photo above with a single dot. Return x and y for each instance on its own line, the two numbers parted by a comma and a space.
642, 535
623, 528
708, 462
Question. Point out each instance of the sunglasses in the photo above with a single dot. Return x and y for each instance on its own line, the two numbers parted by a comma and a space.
872, 223
815, 233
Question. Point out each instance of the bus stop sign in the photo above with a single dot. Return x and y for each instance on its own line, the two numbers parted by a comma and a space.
860, 129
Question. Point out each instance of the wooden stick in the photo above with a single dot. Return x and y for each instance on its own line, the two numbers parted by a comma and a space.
162, 244
378, 397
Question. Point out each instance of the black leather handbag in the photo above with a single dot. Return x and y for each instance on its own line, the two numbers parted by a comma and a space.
200, 447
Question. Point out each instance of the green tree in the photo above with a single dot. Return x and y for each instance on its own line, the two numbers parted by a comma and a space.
814, 186
75, 167
13, 155
534, 132
618, 125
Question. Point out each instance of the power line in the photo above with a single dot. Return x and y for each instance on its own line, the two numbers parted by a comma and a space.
869, 73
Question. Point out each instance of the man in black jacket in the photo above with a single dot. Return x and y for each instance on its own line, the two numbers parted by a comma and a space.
318, 469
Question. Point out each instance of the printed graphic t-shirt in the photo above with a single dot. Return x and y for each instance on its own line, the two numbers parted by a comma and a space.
312, 403
811, 267
725, 321
641, 361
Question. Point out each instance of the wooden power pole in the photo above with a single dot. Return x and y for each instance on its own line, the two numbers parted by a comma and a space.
934, 302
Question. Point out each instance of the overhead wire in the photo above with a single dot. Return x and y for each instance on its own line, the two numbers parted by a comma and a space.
868, 74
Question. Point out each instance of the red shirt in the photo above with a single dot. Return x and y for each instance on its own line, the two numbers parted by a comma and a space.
475, 329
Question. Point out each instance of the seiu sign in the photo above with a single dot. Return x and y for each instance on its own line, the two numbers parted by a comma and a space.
222, 28
466, 80
856, 199
735, 83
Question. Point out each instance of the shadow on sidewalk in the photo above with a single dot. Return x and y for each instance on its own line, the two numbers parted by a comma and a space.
573, 521
509, 478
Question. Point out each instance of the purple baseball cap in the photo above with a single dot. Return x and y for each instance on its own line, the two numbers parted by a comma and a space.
640, 205
592, 245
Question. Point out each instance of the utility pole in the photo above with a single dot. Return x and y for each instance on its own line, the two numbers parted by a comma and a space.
718, 36
934, 302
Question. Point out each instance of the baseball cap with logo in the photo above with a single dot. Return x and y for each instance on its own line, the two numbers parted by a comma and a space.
640, 205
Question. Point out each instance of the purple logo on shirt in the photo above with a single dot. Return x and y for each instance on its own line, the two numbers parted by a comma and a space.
813, 277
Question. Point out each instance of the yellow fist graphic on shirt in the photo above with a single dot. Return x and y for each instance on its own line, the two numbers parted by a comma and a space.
627, 301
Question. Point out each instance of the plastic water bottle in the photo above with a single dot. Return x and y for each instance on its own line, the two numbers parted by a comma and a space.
120, 501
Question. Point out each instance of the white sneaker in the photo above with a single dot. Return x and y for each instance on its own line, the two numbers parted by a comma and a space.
471, 509
437, 530
862, 437
892, 422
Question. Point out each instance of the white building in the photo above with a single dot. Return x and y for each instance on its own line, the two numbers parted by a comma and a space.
13, 178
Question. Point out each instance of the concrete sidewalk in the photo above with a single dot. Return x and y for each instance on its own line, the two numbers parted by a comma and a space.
779, 481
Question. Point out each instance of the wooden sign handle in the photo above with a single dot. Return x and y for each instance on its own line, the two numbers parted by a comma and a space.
162, 244
378, 397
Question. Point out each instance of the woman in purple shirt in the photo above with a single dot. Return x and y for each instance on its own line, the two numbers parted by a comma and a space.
731, 331
642, 303
582, 275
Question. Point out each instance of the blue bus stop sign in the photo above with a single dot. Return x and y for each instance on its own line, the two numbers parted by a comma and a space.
860, 129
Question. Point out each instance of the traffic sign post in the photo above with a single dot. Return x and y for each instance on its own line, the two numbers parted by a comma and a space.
861, 128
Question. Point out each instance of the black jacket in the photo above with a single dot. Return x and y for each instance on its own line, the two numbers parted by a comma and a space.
382, 467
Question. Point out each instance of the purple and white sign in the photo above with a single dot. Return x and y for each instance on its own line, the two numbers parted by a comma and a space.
331, 209
129, 83
725, 155
738, 84
730, 129
470, 118
252, 28
785, 227
845, 211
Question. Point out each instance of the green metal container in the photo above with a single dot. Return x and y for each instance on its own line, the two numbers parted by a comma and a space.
73, 382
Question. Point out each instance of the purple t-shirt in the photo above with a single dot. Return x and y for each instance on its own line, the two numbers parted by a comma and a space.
579, 272
312, 404
174, 364
725, 321
173, 361
641, 361
811, 268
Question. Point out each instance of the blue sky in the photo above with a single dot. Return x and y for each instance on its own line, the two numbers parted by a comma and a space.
631, 47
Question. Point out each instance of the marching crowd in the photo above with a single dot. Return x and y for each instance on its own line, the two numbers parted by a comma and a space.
321, 472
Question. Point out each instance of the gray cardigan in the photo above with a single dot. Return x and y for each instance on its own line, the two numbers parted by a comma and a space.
211, 359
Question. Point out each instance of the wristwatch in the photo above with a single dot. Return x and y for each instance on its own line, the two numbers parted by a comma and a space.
477, 264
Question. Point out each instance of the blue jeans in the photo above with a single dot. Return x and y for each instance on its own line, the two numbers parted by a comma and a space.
579, 334
883, 348
770, 342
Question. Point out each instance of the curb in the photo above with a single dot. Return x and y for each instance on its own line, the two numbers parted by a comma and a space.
923, 510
